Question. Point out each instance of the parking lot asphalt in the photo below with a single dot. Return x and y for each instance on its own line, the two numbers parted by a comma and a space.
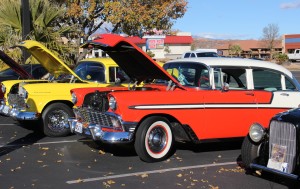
31, 160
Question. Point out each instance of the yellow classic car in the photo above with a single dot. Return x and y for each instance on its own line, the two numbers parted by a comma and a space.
49, 101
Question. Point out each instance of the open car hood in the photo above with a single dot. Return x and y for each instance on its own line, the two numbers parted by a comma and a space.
132, 59
15, 66
46, 58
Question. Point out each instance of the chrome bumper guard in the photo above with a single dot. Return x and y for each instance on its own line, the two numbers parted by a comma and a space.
16, 114
4, 110
95, 132
274, 171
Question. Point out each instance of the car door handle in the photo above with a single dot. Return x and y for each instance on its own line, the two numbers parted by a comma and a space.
250, 93
284, 94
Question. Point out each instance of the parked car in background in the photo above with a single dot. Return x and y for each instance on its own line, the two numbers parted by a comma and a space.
195, 99
202, 53
293, 57
16, 71
275, 149
49, 102
37, 71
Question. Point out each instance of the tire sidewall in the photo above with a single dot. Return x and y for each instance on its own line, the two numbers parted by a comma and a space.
53, 107
167, 130
142, 135
249, 151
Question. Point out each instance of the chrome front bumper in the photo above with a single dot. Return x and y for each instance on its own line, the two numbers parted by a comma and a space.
17, 114
98, 133
274, 171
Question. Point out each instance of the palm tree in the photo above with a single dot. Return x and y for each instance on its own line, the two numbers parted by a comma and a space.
44, 27
235, 49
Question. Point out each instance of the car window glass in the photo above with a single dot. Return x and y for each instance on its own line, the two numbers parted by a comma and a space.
189, 74
7, 72
207, 54
187, 55
289, 85
39, 72
116, 74
266, 80
204, 79
235, 77
91, 71
193, 55
218, 78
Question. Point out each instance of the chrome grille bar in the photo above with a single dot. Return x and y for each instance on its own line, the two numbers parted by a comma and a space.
284, 134
95, 117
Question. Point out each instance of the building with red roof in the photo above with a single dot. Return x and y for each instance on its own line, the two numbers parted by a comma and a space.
164, 46
250, 48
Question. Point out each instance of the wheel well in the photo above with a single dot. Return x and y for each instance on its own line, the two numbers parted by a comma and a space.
66, 102
179, 132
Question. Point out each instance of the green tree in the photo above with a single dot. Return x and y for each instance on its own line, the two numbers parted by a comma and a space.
167, 49
44, 27
150, 53
133, 17
235, 50
280, 58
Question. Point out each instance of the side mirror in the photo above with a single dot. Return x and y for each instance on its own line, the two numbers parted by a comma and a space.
225, 87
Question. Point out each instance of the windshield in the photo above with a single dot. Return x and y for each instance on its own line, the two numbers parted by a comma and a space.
189, 74
8, 72
207, 54
91, 71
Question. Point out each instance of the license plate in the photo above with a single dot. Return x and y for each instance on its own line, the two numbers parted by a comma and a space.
78, 128
5, 109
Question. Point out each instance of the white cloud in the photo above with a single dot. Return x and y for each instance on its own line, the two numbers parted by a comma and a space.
221, 36
292, 5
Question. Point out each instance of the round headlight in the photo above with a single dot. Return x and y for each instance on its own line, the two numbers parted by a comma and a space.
73, 98
256, 132
23, 93
3, 88
112, 103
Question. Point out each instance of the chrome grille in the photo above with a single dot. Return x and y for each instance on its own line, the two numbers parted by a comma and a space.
284, 134
94, 117
16, 101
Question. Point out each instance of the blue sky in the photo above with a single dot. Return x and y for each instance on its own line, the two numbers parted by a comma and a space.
239, 19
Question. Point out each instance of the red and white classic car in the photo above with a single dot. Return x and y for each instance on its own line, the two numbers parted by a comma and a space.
187, 100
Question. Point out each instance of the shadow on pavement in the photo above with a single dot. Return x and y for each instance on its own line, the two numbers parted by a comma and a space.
121, 150
26, 140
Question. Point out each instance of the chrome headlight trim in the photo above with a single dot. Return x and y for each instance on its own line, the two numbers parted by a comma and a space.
256, 132
73, 98
112, 103
22, 92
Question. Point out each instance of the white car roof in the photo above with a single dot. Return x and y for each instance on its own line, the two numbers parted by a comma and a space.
239, 62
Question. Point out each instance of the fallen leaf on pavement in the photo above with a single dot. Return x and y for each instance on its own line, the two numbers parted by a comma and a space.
144, 175
179, 175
